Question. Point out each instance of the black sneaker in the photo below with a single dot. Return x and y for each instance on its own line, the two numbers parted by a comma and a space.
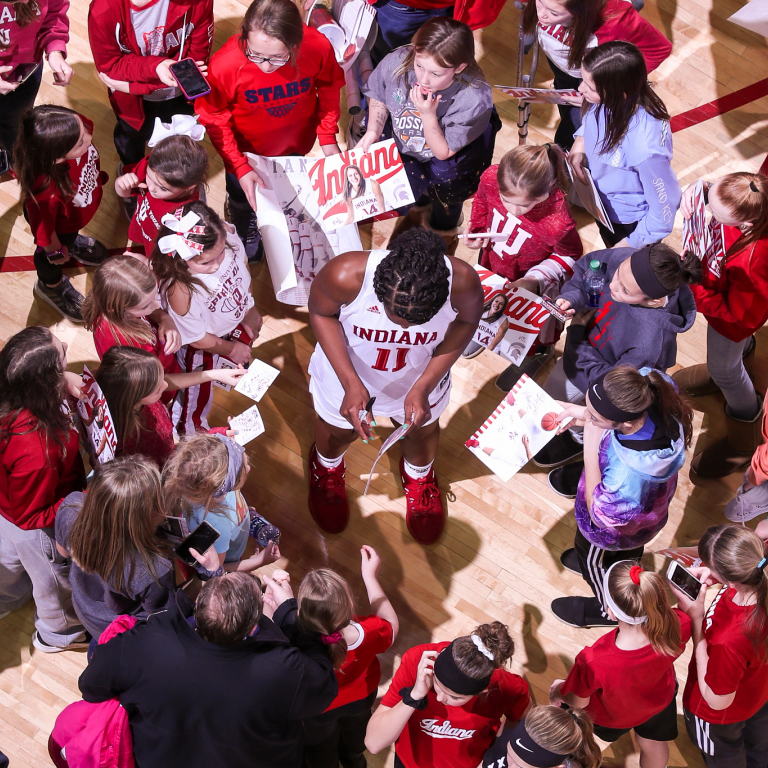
531, 365
64, 298
582, 612
557, 451
247, 226
565, 480
570, 561
89, 251
78, 645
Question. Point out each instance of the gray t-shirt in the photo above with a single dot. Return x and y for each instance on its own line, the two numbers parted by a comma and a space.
96, 603
463, 112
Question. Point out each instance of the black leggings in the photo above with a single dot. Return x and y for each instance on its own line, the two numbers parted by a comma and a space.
48, 273
12, 106
570, 116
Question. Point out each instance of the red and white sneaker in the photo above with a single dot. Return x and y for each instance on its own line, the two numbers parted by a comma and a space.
328, 503
425, 517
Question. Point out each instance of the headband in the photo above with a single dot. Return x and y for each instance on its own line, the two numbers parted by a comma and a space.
611, 603
599, 400
180, 125
453, 678
235, 462
642, 271
528, 750
178, 243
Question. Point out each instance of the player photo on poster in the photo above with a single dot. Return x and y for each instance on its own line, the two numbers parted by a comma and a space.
356, 185
295, 244
696, 233
522, 424
96, 421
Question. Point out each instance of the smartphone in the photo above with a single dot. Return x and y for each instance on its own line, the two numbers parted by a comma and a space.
176, 527
686, 582
201, 539
20, 73
190, 79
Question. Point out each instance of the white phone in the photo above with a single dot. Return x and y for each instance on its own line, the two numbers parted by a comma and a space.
685, 581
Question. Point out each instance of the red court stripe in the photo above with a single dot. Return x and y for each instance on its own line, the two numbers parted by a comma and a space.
719, 106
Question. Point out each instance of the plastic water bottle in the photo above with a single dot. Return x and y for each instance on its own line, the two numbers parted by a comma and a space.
594, 282
262, 530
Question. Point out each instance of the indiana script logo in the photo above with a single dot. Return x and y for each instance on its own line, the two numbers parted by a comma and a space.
445, 730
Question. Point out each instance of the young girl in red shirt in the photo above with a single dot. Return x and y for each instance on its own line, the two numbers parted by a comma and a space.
461, 692
732, 299
275, 88
524, 198
725, 701
626, 680
39, 465
58, 170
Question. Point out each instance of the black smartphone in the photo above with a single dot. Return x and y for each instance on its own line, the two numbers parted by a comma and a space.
684, 581
201, 539
20, 73
190, 79
175, 527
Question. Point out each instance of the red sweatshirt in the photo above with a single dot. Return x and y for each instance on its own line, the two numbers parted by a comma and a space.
273, 114
35, 475
49, 211
733, 293
47, 32
117, 54
547, 230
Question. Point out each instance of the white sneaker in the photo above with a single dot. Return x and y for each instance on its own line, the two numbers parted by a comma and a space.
44, 647
748, 504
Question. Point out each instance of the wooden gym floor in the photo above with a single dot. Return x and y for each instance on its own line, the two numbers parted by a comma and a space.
498, 558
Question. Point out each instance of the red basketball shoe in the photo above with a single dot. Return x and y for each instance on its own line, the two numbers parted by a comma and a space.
425, 517
328, 503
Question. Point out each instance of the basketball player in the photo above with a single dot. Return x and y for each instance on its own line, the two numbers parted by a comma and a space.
389, 325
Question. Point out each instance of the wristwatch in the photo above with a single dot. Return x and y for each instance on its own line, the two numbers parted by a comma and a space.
411, 702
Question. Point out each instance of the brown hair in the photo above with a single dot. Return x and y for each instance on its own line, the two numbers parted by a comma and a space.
537, 171
587, 17
565, 732
26, 13
119, 284
117, 525
621, 78
228, 608
477, 665
449, 42
46, 135
672, 270
126, 376
326, 606
170, 269
629, 390
733, 553
748, 205
280, 19
180, 161
648, 598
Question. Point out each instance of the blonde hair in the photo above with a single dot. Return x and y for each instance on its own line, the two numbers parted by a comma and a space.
326, 606
746, 194
537, 171
119, 284
564, 732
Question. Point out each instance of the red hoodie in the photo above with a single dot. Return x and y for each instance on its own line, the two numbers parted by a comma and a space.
732, 295
48, 32
117, 54
273, 114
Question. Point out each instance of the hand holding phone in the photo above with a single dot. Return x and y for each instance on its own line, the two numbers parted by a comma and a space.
201, 539
190, 78
685, 581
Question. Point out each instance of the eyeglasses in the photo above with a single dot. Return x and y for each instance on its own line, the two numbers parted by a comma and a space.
272, 60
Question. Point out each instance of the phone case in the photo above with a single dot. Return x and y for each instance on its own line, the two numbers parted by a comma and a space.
184, 91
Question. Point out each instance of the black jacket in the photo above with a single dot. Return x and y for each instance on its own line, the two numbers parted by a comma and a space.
191, 703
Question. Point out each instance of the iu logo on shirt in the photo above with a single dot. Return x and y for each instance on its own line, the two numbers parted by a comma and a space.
511, 226
445, 730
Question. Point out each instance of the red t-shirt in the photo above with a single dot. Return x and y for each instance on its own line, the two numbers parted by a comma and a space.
547, 229
156, 439
734, 664
50, 212
453, 736
624, 688
145, 224
360, 673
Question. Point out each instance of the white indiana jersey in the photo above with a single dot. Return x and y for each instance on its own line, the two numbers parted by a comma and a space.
387, 358
365, 206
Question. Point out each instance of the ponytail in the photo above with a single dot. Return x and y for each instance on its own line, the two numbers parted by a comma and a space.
746, 195
631, 391
565, 732
672, 270
737, 555
536, 171
640, 593
468, 652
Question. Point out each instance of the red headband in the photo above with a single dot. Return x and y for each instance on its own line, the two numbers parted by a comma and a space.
634, 573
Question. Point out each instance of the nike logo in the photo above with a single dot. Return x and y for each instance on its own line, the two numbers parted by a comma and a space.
522, 746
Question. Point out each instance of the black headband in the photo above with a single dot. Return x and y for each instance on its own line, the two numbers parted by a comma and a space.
528, 750
642, 271
454, 679
600, 401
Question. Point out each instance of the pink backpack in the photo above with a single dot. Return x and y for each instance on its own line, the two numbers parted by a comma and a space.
90, 735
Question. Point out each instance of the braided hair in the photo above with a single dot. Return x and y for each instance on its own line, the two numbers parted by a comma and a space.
412, 279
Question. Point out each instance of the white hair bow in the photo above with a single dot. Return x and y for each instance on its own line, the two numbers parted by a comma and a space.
481, 646
178, 243
181, 125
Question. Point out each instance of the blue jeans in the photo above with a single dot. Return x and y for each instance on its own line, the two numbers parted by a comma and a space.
398, 23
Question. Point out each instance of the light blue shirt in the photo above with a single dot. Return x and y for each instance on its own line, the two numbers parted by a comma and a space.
231, 521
